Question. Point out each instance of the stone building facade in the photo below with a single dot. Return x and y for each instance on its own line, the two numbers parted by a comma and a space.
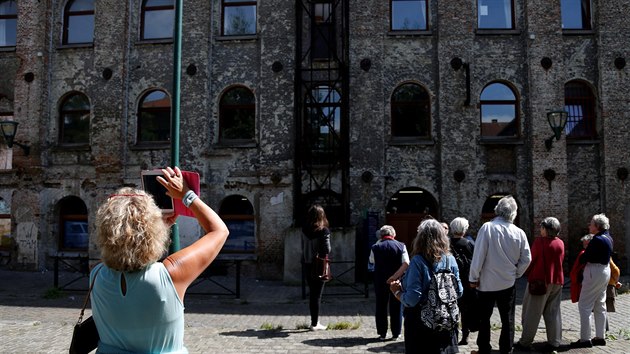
330, 84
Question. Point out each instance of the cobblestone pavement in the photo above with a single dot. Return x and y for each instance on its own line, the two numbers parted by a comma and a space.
269, 318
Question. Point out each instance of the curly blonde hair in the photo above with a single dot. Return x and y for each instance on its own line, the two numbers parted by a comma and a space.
431, 241
130, 231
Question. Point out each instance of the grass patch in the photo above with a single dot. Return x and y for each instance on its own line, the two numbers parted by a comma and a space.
344, 325
302, 326
53, 293
270, 327
623, 333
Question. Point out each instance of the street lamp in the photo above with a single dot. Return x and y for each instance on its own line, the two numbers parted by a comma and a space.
557, 120
9, 128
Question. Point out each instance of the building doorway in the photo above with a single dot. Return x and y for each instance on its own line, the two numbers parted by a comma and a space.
406, 208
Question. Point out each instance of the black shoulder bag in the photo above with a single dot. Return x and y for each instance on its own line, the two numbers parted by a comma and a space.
85, 335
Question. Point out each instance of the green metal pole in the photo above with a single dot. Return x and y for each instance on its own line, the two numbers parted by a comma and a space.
177, 75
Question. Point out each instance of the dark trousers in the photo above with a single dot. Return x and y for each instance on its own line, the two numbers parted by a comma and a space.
422, 340
315, 292
505, 301
385, 300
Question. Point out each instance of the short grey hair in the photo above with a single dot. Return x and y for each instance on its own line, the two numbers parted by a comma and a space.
459, 226
552, 225
506, 208
387, 230
601, 221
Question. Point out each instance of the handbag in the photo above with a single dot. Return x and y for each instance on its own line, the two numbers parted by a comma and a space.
322, 268
538, 287
85, 334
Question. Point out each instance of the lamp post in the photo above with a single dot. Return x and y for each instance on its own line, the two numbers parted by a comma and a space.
557, 121
177, 76
9, 128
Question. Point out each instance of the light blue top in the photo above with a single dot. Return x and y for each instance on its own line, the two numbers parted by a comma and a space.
418, 276
149, 318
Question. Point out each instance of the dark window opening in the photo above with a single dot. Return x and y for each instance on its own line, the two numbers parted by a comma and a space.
411, 112
238, 214
74, 232
579, 101
74, 117
323, 42
237, 115
154, 118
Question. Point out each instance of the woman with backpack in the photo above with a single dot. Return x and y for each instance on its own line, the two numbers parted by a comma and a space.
430, 326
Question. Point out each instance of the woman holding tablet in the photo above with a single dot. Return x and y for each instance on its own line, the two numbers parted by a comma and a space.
137, 301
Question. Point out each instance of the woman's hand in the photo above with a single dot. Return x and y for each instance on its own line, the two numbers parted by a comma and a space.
174, 182
395, 286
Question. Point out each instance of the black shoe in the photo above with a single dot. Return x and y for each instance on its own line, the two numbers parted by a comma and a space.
522, 348
598, 341
548, 348
582, 344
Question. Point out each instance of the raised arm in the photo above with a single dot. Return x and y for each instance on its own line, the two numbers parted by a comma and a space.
187, 264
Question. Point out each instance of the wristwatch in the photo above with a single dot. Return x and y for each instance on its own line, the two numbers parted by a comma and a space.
188, 198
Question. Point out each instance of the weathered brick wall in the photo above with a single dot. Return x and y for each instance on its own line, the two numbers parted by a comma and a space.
586, 179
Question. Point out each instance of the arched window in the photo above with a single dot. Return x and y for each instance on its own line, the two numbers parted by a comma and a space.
73, 224
78, 22
239, 17
495, 14
323, 125
158, 19
237, 115
8, 23
411, 112
499, 116
74, 114
409, 15
238, 214
579, 101
154, 118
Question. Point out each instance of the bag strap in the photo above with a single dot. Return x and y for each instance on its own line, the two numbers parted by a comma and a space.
87, 297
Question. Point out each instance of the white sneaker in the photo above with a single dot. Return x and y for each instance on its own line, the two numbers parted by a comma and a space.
318, 327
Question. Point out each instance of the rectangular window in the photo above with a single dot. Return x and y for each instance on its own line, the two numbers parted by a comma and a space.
159, 24
495, 14
576, 14
239, 18
8, 30
80, 29
322, 35
409, 15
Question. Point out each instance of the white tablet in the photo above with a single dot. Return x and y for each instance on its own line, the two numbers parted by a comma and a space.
151, 185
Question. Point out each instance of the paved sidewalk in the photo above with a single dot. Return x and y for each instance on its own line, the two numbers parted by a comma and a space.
30, 323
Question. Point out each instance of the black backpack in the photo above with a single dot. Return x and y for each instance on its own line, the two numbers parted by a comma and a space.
440, 311
463, 262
